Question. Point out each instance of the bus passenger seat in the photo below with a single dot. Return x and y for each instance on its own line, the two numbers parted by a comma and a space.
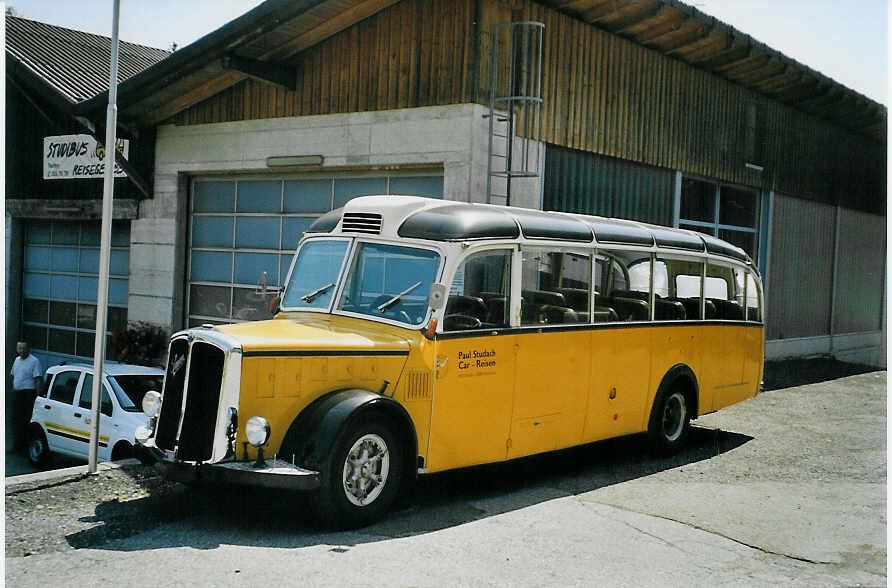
577, 298
669, 310
605, 314
466, 305
496, 311
631, 309
556, 315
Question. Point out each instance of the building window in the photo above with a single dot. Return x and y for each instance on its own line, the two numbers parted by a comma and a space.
244, 231
727, 212
61, 281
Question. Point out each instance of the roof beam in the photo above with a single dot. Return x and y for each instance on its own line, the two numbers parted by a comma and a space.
743, 67
663, 30
652, 15
593, 15
332, 26
678, 48
779, 69
264, 71
194, 96
633, 18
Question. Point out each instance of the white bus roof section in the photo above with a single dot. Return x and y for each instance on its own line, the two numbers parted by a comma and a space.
415, 217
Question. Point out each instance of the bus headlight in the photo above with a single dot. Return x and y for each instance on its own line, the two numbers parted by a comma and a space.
151, 404
257, 431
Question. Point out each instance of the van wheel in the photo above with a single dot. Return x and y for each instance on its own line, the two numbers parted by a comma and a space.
669, 422
122, 450
38, 449
361, 477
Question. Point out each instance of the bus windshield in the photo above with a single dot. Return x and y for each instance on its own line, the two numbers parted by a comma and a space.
391, 282
314, 278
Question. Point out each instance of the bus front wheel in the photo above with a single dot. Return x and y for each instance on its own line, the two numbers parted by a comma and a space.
361, 477
670, 422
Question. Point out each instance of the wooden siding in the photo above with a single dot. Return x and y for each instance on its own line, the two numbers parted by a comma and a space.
414, 53
603, 94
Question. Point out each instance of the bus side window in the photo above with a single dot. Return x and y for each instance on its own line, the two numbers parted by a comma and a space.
682, 301
753, 300
555, 286
723, 290
628, 291
478, 298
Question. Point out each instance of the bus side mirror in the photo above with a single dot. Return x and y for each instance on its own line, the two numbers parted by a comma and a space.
437, 297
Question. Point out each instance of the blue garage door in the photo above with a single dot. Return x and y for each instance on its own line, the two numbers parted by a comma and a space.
243, 233
60, 285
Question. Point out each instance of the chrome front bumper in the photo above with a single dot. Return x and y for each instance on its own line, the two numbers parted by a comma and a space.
277, 473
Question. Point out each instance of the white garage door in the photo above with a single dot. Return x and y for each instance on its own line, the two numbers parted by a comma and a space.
243, 232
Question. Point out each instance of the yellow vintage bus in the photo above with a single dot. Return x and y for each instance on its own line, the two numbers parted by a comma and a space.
416, 335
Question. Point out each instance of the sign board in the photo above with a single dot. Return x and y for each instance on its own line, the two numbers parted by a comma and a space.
78, 157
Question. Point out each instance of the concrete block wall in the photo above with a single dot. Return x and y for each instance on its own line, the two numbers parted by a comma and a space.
452, 137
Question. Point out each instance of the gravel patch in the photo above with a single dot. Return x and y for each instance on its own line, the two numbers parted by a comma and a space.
82, 511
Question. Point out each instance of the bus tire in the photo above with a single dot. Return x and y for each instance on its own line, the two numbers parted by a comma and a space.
361, 476
670, 421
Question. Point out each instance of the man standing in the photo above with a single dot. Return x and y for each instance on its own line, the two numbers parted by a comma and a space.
27, 378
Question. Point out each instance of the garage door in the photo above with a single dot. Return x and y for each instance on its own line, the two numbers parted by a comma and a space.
60, 284
243, 232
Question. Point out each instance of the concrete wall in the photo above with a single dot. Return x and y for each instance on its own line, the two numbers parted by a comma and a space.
455, 138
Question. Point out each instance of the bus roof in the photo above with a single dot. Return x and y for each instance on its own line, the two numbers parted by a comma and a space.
415, 217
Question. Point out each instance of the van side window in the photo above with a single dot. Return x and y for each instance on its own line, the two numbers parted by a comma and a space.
626, 293
64, 386
478, 298
723, 290
86, 401
554, 286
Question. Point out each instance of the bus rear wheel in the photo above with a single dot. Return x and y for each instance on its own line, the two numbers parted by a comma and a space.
670, 422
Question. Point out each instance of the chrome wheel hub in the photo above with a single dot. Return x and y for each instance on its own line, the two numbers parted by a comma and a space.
674, 415
366, 469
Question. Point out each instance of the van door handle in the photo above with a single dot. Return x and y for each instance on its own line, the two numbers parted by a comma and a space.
47, 406
78, 415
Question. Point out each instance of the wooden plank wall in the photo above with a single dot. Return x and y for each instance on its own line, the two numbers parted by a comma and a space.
602, 94
414, 53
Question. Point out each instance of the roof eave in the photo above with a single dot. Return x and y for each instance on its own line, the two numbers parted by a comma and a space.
205, 50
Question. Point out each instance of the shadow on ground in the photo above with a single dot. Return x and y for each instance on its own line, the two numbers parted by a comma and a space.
800, 372
204, 518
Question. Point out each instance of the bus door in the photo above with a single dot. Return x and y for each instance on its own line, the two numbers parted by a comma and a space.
475, 365
620, 350
553, 350
723, 350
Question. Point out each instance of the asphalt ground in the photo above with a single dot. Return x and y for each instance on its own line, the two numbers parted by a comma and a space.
788, 488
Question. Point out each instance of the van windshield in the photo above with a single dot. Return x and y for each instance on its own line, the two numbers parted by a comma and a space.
314, 278
390, 282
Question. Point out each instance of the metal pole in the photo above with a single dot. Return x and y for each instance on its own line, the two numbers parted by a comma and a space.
111, 121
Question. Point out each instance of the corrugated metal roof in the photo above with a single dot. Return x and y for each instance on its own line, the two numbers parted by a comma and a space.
75, 63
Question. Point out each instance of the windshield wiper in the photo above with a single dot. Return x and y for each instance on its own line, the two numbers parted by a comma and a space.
396, 298
309, 297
